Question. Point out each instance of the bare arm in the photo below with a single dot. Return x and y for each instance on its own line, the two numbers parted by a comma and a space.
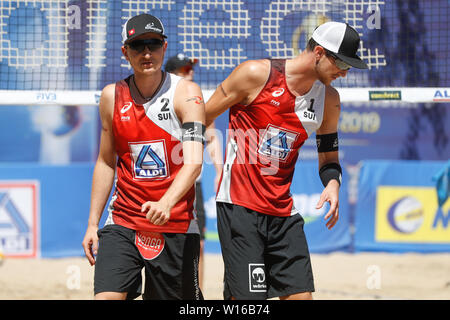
241, 86
189, 107
214, 148
330, 125
104, 171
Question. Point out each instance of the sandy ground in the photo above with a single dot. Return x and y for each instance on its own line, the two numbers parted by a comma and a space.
337, 276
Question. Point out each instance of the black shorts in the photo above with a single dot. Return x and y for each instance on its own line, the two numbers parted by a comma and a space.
264, 256
170, 261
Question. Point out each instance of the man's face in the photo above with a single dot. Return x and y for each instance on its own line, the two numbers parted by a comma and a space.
145, 53
326, 67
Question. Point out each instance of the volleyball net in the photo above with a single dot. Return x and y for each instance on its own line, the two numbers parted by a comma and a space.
62, 53
65, 52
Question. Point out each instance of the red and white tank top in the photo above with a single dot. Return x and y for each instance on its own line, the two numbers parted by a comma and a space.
149, 149
263, 143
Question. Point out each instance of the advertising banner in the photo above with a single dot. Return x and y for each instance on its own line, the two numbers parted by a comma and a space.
19, 218
44, 209
397, 208
57, 135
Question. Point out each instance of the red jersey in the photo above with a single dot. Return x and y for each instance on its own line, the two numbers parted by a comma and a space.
263, 143
149, 149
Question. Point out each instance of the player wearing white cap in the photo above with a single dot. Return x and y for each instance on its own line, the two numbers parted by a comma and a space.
278, 104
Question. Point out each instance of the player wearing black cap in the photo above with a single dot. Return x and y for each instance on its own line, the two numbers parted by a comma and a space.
282, 102
147, 119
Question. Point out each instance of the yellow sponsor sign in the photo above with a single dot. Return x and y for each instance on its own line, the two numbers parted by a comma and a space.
411, 214
385, 95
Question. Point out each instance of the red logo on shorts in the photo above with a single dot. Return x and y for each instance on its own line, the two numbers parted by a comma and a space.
149, 244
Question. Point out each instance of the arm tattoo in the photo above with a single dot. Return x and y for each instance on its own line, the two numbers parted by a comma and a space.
223, 91
196, 99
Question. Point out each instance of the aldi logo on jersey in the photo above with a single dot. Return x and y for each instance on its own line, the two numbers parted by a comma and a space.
277, 142
149, 160
19, 218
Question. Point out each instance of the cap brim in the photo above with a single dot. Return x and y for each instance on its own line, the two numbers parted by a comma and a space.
355, 61
137, 35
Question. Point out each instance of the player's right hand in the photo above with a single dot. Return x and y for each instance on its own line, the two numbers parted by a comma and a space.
157, 213
90, 244
331, 195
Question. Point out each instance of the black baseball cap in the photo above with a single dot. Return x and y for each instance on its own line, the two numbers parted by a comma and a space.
178, 61
342, 40
141, 24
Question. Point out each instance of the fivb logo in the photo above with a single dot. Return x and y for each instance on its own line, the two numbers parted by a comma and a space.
257, 277
18, 218
149, 160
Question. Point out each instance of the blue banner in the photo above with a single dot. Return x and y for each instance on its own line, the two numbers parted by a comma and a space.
45, 209
398, 210
49, 134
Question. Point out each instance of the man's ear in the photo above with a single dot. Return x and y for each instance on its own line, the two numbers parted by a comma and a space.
125, 52
318, 52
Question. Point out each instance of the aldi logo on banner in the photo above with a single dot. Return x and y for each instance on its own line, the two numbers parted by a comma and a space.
19, 214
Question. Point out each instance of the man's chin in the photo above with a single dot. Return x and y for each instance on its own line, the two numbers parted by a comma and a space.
326, 82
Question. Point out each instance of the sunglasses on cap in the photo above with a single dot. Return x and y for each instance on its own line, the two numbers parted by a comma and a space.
140, 45
339, 63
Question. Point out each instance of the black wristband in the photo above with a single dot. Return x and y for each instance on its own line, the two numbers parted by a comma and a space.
193, 131
329, 172
327, 142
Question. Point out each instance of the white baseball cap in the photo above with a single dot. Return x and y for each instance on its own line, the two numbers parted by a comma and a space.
340, 39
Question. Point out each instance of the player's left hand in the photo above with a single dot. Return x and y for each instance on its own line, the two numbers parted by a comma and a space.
158, 213
331, 195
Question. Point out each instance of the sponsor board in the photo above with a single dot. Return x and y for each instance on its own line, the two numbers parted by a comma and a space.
385, 95
19, 216
441, 95
411, 214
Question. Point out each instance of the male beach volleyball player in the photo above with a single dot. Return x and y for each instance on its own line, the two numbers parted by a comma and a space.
152, 137
275, 105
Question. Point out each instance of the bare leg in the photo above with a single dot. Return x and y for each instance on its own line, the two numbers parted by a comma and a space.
298, 296
111, 296
201, 265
